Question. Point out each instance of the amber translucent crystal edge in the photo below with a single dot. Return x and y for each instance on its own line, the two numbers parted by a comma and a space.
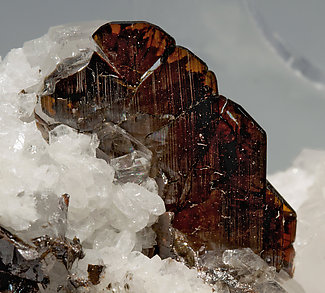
284, 222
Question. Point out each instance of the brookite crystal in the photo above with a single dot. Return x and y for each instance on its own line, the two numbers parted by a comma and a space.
157, 112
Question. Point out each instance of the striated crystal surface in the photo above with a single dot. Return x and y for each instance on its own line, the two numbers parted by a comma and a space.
207, 154
152, 111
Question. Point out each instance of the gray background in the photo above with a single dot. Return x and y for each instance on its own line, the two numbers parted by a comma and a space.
226, 37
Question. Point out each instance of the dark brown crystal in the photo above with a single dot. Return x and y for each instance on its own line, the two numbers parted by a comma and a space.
208, 154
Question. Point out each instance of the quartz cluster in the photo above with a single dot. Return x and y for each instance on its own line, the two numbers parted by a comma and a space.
142, 177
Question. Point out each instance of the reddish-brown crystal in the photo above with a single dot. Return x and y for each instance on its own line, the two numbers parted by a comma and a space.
209, 155
281, 220
132, 47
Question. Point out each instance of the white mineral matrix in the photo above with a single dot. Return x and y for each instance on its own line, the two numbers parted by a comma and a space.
112, 221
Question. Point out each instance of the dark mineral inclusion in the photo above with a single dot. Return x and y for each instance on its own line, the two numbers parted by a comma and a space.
208, 154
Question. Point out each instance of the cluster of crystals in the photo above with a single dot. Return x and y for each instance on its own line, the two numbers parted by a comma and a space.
241, 270
59, 196
111, 220
156, 109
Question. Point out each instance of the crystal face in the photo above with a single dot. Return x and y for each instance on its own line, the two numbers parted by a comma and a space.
156, 108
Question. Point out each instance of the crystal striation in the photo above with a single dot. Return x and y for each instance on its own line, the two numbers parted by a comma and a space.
206, 153
152, 111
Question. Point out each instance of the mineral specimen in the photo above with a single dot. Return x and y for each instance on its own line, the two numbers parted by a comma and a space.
159, 107
154, 111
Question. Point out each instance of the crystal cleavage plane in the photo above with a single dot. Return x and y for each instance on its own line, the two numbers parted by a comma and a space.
156, 109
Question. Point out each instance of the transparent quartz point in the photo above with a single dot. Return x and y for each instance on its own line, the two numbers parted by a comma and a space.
133, 167
129, 157
67, 67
